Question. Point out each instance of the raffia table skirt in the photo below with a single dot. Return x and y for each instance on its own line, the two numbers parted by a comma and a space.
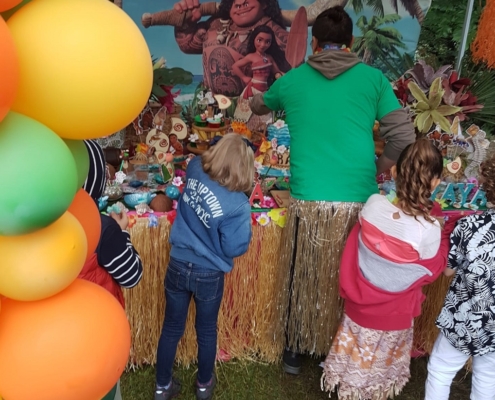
247, 319
252, 318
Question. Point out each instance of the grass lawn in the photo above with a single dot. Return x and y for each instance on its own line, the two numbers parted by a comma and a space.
254, 381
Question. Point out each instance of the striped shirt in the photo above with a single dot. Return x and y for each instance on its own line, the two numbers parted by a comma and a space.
117, 255
115, 252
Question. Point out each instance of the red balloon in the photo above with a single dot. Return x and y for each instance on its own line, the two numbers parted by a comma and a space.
71, 346
9, 68
7, 14
8, 4
85, 210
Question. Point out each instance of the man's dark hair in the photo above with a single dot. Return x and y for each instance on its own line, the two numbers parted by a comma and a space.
333, 26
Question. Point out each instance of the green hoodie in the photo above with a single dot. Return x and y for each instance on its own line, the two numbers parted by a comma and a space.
331, 104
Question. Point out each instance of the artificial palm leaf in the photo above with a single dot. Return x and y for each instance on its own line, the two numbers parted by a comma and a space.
483, 88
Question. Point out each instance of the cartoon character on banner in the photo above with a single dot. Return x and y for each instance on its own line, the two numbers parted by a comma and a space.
160, 118
177, 133
144, 121
223, 38
263, 59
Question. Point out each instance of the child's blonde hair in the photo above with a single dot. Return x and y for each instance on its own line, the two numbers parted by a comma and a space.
230, 163
418, 164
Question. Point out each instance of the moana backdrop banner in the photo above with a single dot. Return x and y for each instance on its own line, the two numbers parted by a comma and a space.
238, 47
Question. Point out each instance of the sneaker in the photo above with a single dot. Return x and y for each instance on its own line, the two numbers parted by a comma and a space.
170, 393
206, 392
292, 362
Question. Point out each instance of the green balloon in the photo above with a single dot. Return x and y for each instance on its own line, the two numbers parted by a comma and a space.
80, 153
7, 14
38, 175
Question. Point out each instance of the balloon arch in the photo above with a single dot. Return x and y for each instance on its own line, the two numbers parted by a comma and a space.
65, 76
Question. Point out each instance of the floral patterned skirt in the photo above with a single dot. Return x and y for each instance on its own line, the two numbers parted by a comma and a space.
367, 364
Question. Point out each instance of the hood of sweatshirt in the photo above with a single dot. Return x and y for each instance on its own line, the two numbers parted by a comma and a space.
96, 179
333, 63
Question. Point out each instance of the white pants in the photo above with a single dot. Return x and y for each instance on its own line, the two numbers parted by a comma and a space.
118, 395
446, 361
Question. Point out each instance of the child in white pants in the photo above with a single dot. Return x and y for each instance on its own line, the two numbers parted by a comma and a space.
446, 361
467, 319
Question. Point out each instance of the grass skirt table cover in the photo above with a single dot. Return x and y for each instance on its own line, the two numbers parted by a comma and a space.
247, 318
253, 314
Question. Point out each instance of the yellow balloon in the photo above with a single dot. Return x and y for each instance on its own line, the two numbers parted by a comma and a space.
85, 67
42, 263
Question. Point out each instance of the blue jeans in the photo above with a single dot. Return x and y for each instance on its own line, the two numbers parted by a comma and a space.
183, 280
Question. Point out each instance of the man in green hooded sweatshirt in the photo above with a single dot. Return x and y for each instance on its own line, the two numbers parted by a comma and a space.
331, 103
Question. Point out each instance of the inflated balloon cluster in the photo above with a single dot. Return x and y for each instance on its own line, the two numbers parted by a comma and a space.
69, 70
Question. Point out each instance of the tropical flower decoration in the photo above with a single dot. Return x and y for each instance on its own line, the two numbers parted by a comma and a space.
263, 219
435, 98
120, 177
152, 221
194, 137
457, 94
443, 203
268, 202
279, 124
402, 91
167, 100
180, 173
240, 127
424, 75
132, 220
258, 166
164, 79
281, 149
278, 216
429, 110
177, 181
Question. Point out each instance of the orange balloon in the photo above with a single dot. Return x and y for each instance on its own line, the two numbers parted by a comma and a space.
42, 263
85, 210
9, 68
71, 346
8, 4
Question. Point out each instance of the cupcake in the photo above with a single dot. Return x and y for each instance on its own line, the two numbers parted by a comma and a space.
200, 120
216, 121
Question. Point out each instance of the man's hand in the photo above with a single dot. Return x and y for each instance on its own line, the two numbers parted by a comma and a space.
121, 219
383, 164
189, 5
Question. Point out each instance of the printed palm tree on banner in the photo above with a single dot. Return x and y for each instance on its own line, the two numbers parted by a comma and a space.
378, 41
412, 7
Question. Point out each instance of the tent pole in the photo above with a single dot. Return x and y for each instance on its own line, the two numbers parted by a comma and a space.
465, 31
